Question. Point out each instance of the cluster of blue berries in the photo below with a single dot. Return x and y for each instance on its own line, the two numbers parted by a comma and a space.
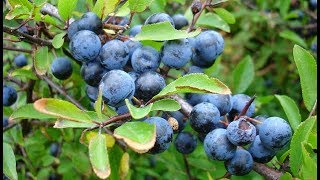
225, 134
9, 93
123, 69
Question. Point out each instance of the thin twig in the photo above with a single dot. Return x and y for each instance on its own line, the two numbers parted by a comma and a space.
312, 112
197, 15
187, 166
17, 49
246, 107
9, 127
26, 37
61, 91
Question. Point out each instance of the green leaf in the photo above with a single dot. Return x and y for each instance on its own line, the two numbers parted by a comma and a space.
139, 5
284, 7
138, 113
307, 69
28, 112
23, 73
41, 61
24, 3
165, 105
287, 34
163, 31
98, 155
301, 135
61, 109
155, 44
225, 15
18, 12
161, 105
139, 136
65, 8
291, 110
98, 104
47, 160
39, 3
309, 165
243, 75
9, 162
284, 156
312, 140
72, 124
194, 83
104, 7
108, 111
58, 40
212, 20
286, 176
124, 165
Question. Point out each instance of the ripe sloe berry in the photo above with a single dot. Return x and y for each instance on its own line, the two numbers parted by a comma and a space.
202, 117
241, 163
217, 146
9, 95
61, 68
185, 142
117, 86
164, 134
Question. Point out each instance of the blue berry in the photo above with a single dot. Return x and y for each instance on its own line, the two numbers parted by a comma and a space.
9, 95
217, 146
145, 59
241, 163
275, 133
202, 117
182, 120
132, 46
193, 98
159, 17
259, 153
135, 30
5, 122
239, 101
89, 21
54, 176
313, 4
54, 149
194, 69
114, 54
92, 72
176, 53
185, 142
148, 85
92, 93
314, 47
23, 29
208, 46
180, 21
117, 86
85, 46
61, 68
20, 60
260, 118
164, 134
134, 75
241, 132
221, 101
122, 110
